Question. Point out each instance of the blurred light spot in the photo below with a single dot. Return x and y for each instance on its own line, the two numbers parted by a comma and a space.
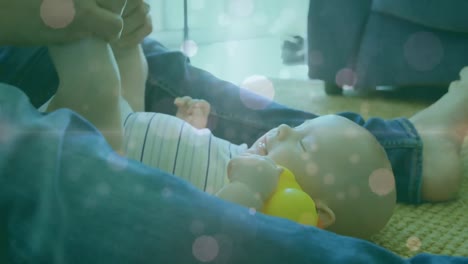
189, 48
311, 168
423, 51
260, 19
259, 85
205, 248
351, 132
329, 179
305, 156
209, 189
197, 227
117, 162
139, 189
241, 8
413, 243
197, 4
382, 181
103, 189
166, 192
57, 14
354, 158
353, 191
224, 20
232, 48
285, 74
345, 77
340, 195
315, 57
252, 211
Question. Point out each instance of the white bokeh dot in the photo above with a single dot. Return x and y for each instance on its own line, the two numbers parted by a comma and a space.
354, 158
210, 189
197, 4
305, 156
197, 227
340, 196
345, 76
224, 20
329, 179
166, 192
57, 14
311, 168
103, 189
260, 85
353, 191
260, 19
139, 189
315, 57
189, 48
117, 162
382, 181
413, 243
241, 8
351, 132
252, 211
285, 74
205, 248
232, 48
423, 51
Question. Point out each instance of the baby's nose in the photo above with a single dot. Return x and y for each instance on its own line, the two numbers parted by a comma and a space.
284, 131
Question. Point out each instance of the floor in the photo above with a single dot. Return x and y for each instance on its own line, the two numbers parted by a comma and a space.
256, 64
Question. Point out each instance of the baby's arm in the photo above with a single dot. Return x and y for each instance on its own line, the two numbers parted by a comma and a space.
253, 179
90, 85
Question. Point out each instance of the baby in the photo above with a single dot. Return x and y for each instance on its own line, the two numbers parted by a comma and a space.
338, 163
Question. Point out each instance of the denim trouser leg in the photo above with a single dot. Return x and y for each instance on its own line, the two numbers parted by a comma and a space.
68, 198
232, 118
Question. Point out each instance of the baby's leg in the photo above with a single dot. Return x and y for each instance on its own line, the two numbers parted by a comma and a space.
90, 85
133, 70
193, 111
442, 127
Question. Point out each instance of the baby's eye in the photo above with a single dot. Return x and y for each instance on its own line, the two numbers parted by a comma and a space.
301, 143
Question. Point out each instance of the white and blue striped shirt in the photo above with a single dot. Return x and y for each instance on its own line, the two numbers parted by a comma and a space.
173, 145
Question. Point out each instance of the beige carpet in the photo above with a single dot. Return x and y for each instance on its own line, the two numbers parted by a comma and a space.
432, 228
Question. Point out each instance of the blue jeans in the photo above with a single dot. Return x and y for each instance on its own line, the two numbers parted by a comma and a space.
68, 198
171, 75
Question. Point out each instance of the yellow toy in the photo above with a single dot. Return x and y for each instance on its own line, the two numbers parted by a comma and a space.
291, 202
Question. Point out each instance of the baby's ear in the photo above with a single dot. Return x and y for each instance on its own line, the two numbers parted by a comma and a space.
326, 215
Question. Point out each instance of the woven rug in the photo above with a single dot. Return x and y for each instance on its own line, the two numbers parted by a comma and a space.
431, 228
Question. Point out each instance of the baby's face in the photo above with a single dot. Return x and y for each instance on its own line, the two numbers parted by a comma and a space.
335, 161
314, 144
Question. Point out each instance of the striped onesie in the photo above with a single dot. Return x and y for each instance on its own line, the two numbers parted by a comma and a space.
173, 145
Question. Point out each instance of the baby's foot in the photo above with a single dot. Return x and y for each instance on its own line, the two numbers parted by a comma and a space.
443, 127
193, 111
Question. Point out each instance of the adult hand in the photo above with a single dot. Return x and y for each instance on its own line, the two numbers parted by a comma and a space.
45, 22
137, 24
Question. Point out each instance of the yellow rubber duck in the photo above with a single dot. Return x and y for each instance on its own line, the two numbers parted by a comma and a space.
291, 202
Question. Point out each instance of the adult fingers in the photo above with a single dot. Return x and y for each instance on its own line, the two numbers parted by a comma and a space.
135, 19
114, 6
131, 6
105, 24
137, 36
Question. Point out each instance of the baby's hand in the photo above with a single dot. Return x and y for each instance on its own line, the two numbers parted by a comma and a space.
260, 173
193, 111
